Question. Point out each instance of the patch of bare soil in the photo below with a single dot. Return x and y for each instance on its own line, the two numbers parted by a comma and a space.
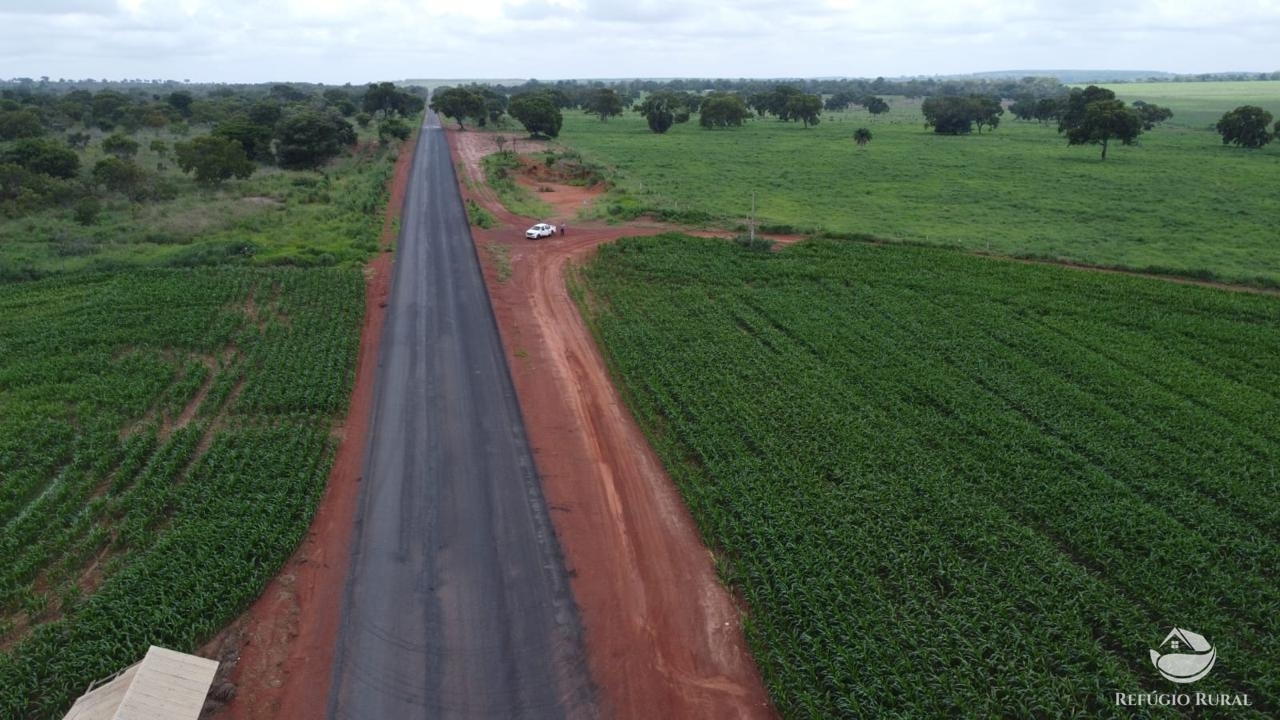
277, 657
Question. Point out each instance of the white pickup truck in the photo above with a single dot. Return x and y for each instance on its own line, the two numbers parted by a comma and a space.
540, 230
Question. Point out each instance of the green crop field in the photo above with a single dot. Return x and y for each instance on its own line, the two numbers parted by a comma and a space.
954, 486
1199, 104
1179, 201
164, 438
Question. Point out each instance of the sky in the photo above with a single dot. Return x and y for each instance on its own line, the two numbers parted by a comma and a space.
339, 41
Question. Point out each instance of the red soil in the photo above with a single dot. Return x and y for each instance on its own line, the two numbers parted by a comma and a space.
278, 656
664, 637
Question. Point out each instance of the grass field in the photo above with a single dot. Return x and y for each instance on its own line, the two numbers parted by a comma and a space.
952, 486
1179, 201
164, 438
1198, 105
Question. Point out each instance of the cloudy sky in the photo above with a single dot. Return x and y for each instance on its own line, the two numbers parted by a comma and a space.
338, 41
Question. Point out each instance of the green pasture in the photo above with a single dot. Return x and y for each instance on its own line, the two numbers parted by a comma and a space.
1199, 104
1179, 201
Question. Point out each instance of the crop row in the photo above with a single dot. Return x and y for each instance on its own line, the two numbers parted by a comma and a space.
950, 486
164, 437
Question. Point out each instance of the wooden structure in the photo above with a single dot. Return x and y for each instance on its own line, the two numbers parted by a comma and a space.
166, 685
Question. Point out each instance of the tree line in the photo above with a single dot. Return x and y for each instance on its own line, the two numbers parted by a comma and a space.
213, 135
1088, 116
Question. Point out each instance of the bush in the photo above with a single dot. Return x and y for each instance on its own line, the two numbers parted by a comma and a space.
87, 210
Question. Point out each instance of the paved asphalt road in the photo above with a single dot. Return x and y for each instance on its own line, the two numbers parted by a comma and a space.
457, 602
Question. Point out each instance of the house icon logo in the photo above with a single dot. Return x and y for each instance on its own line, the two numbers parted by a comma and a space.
1184, 656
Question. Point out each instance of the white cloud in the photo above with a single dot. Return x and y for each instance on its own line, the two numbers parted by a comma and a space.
339, 40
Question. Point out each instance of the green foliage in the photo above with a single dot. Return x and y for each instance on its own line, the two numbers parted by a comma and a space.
17, 124
169, 430
385, 98
498, 169
480, 217
393, 127
458, 103
180, 100
312, 138
1246, 126
42, 156
922, 469
862, 136
88, 209
1103, 121
875, 105
78, 140
213, 159
722, 110
1151, 114
538, 113
955, 115
120, 145
805, 108
253, 136
117, 175
363, 119
604, 103
661, 110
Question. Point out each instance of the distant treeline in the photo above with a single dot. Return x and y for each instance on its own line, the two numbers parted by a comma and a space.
861, 87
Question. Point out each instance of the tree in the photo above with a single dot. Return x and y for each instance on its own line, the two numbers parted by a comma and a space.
663, 109
1104, 121
1246, 127
1073, 109
1151, 114
393, 127
1047, 109
121, 146
604, 102
117, 175
43, 156
537, 112
254, 137
1024, 108
78, 140
948, 115
363, 119
309, 139
862, 136
805, 108
17, 124
387, 99
721, 110
875, 105
180, 100
985, 110
213, 159
458, 103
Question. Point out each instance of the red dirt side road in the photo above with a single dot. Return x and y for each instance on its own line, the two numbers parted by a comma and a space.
664, 637
279, 654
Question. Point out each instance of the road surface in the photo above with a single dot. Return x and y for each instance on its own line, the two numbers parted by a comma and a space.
457, 602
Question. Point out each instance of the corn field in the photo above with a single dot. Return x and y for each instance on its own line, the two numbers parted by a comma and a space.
164, 439
950, 486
